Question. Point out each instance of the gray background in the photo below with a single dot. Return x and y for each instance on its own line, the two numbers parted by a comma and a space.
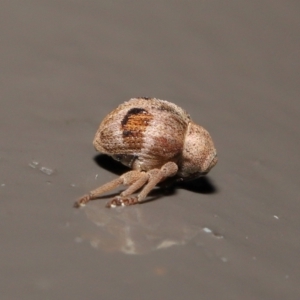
233, 65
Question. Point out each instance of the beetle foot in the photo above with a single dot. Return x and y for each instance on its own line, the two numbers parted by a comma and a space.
82, 201
119, 201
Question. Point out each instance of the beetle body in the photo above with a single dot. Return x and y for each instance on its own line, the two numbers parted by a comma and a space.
148, 134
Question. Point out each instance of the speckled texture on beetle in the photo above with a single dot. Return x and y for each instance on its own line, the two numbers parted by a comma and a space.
155, 138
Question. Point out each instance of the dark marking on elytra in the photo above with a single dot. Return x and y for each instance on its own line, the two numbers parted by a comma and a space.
132, 111
127, 133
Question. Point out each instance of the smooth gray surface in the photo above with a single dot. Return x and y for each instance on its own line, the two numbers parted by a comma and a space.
233, 65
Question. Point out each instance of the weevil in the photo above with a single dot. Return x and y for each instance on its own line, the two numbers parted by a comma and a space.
156, 139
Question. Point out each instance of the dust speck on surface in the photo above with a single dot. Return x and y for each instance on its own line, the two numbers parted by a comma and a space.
46, 171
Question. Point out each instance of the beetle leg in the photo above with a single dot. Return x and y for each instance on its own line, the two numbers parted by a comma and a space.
154, 177
131, 178
143, 178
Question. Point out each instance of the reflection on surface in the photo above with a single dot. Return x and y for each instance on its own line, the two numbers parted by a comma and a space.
139, 229
144, 228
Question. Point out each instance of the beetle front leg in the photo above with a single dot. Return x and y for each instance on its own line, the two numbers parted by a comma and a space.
130, 178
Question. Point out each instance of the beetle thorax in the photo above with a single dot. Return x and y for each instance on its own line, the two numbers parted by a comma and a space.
198, 155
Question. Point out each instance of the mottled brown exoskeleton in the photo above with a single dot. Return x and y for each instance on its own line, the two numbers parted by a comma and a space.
156, 139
